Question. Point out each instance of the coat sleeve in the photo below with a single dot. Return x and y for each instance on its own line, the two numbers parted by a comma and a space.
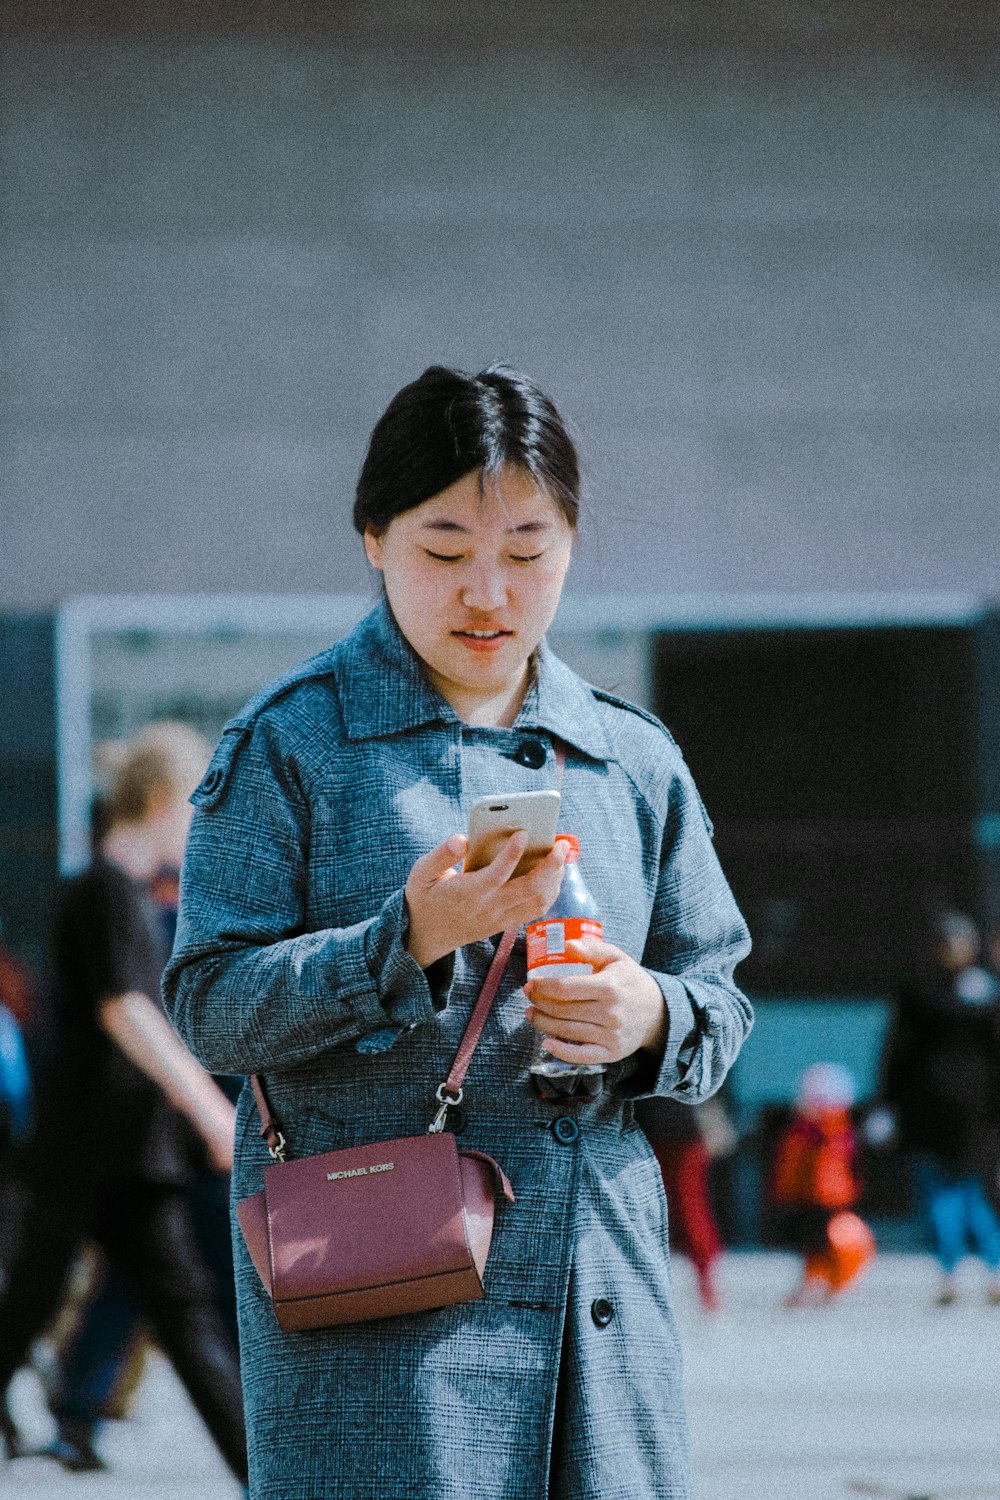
248, 986
696, 938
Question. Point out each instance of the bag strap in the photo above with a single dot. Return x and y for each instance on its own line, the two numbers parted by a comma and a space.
448, 1093
269, 1126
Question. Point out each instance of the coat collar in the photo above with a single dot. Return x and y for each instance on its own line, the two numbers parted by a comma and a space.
384, 690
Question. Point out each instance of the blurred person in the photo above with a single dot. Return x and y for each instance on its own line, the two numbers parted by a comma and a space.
815, 1186
329, 939
941, 1082
109, 1158
100, 1348
685, 1140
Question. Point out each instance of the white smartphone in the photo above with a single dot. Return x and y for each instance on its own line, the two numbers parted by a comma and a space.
494, 819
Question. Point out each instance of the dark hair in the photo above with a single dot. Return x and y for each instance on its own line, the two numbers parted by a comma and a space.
448, 424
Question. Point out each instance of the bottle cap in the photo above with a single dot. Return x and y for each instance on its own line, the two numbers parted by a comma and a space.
573, 853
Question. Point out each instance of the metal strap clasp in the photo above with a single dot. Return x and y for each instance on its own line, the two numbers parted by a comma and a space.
447, 1100
278, 1149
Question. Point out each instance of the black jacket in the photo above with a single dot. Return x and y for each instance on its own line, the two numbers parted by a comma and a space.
941, 1070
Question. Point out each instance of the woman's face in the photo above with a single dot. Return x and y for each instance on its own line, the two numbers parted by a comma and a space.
474, 578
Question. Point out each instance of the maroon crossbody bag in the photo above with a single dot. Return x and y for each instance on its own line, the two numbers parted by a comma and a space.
373, 1231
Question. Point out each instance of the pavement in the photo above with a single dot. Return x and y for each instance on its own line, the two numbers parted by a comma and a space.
881, 1394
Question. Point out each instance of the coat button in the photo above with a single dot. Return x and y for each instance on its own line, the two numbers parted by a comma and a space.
531, 753
601, 1311
212, 780
565, 1129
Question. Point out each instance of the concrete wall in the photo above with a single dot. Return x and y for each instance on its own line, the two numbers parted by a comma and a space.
753, 251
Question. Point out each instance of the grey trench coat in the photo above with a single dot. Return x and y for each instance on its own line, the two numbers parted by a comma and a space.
290, 961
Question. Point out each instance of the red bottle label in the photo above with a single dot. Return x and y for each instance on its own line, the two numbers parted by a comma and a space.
547, 939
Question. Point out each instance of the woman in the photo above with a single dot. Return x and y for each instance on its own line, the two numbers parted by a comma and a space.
109, 1161
328, 940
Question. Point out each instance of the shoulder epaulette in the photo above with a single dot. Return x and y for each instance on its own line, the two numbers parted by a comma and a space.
633, 708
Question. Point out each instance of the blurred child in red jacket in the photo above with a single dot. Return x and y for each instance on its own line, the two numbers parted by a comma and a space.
816, 1186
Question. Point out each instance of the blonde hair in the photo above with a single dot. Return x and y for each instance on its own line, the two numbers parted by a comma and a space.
165, 758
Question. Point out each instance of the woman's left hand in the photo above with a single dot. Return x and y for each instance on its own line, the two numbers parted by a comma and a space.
600, 1017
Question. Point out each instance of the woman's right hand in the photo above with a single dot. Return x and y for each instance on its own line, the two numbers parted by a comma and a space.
448, 907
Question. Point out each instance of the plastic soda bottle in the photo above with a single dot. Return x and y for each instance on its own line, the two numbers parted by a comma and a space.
573, 915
